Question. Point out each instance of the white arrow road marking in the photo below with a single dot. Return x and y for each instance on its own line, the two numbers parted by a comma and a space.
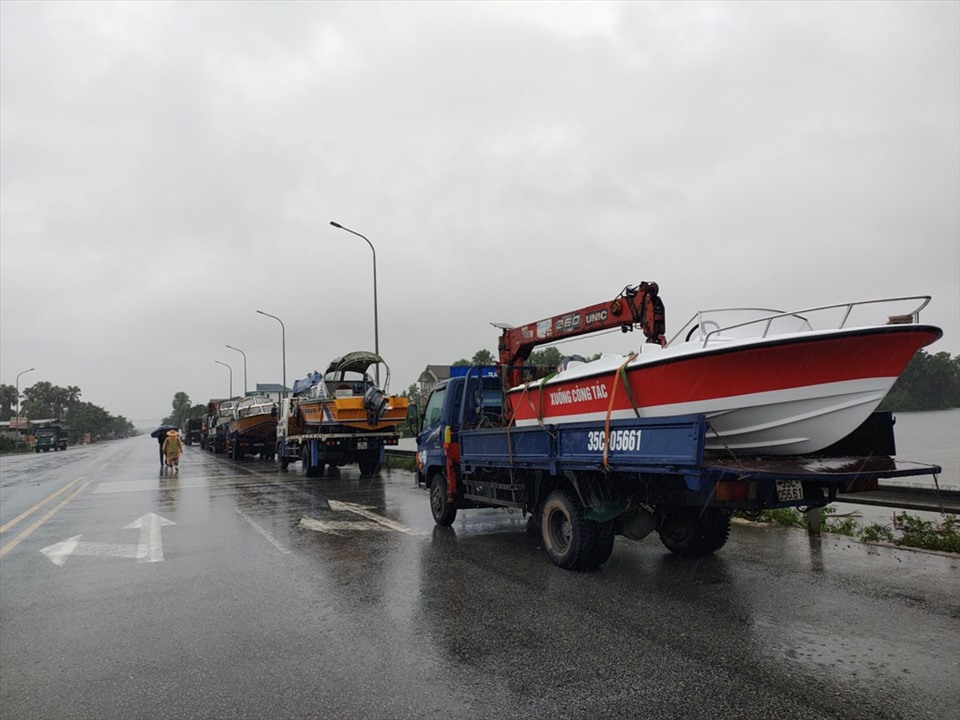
149, 549
332, 527
366, 512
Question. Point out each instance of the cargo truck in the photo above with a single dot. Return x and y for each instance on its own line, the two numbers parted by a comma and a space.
50, 438
340, 417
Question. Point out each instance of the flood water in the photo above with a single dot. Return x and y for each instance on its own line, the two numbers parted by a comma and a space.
930, 437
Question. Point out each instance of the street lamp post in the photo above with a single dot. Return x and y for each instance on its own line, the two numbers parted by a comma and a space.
18, 396
231, 374
376, 328
283, 344
244, 367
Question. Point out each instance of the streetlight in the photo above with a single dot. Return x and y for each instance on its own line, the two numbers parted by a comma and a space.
231, 374
283, 340
18, 396
244, 367
376, 329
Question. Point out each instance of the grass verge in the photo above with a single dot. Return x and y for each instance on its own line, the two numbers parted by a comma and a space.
905, 530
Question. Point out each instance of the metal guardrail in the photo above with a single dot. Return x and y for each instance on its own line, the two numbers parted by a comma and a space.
891, 496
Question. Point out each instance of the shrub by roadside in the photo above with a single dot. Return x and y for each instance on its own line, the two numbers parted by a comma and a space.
905, 531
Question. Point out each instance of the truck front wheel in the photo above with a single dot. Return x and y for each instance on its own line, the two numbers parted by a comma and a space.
567, 535
444, 512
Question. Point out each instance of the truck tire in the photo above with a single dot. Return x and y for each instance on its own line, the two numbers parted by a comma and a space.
693, 531
310, 471
603, 547
718, 532
369, 461
444, 512
282, 462
568, 536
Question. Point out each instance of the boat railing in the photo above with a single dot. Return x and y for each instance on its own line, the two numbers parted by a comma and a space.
847, 309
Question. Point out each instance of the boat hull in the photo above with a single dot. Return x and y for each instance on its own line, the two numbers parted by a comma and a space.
784, 395
262, 425
350, 412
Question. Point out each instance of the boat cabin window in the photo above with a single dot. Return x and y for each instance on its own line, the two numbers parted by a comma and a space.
347, 383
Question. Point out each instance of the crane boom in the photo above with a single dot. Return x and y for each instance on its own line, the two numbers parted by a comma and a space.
635, 305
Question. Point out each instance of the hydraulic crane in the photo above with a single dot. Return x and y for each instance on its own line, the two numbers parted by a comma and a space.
635, 305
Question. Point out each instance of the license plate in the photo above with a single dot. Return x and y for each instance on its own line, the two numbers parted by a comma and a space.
789, 490
361, 444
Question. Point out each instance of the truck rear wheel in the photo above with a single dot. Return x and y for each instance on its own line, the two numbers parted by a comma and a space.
567, 535
444, 512
603, 547
369, 461
311, 471
282, 461
693, 531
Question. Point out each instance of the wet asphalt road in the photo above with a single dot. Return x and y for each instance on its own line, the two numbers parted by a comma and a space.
235, 591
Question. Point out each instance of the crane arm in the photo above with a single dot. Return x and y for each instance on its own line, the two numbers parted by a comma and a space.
635, 305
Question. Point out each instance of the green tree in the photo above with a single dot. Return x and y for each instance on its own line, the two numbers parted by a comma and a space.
483, 357
8, 401
88, 418
548, 357
929, 382
38, 401
182, 409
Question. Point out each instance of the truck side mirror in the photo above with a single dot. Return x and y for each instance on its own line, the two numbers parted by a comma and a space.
413, 418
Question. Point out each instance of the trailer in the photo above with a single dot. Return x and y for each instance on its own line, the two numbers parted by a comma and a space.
586, 483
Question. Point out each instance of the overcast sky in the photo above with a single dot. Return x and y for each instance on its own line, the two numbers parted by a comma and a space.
167, 169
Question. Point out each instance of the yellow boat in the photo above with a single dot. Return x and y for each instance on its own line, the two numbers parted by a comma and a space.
346, 395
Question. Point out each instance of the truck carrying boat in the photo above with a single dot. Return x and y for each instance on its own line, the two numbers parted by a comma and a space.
252, 428
625, 447
339, 417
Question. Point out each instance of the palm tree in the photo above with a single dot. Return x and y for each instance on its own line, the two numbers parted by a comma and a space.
8, 399
38, 400
73, 394
59, 401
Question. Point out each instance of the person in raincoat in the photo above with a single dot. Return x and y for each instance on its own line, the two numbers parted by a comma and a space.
172, 447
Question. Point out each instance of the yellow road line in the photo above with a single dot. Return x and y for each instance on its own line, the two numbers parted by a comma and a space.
29, 531
26, 513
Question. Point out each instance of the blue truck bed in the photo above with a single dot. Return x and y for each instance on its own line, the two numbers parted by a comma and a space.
664, 446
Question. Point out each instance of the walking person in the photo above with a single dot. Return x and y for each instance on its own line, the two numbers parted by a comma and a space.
172, 448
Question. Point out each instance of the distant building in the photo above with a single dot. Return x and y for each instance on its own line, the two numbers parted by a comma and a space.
276, 391
430, 376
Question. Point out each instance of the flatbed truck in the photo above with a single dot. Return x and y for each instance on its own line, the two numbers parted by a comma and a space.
652, 474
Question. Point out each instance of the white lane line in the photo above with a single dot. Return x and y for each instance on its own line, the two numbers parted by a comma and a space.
266, 536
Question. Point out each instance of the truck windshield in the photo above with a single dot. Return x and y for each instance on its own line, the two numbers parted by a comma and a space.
432, 413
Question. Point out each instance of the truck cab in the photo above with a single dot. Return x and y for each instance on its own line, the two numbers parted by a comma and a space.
473, 399
50, 438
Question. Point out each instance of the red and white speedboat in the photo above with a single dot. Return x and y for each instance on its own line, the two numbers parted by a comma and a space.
769, 382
